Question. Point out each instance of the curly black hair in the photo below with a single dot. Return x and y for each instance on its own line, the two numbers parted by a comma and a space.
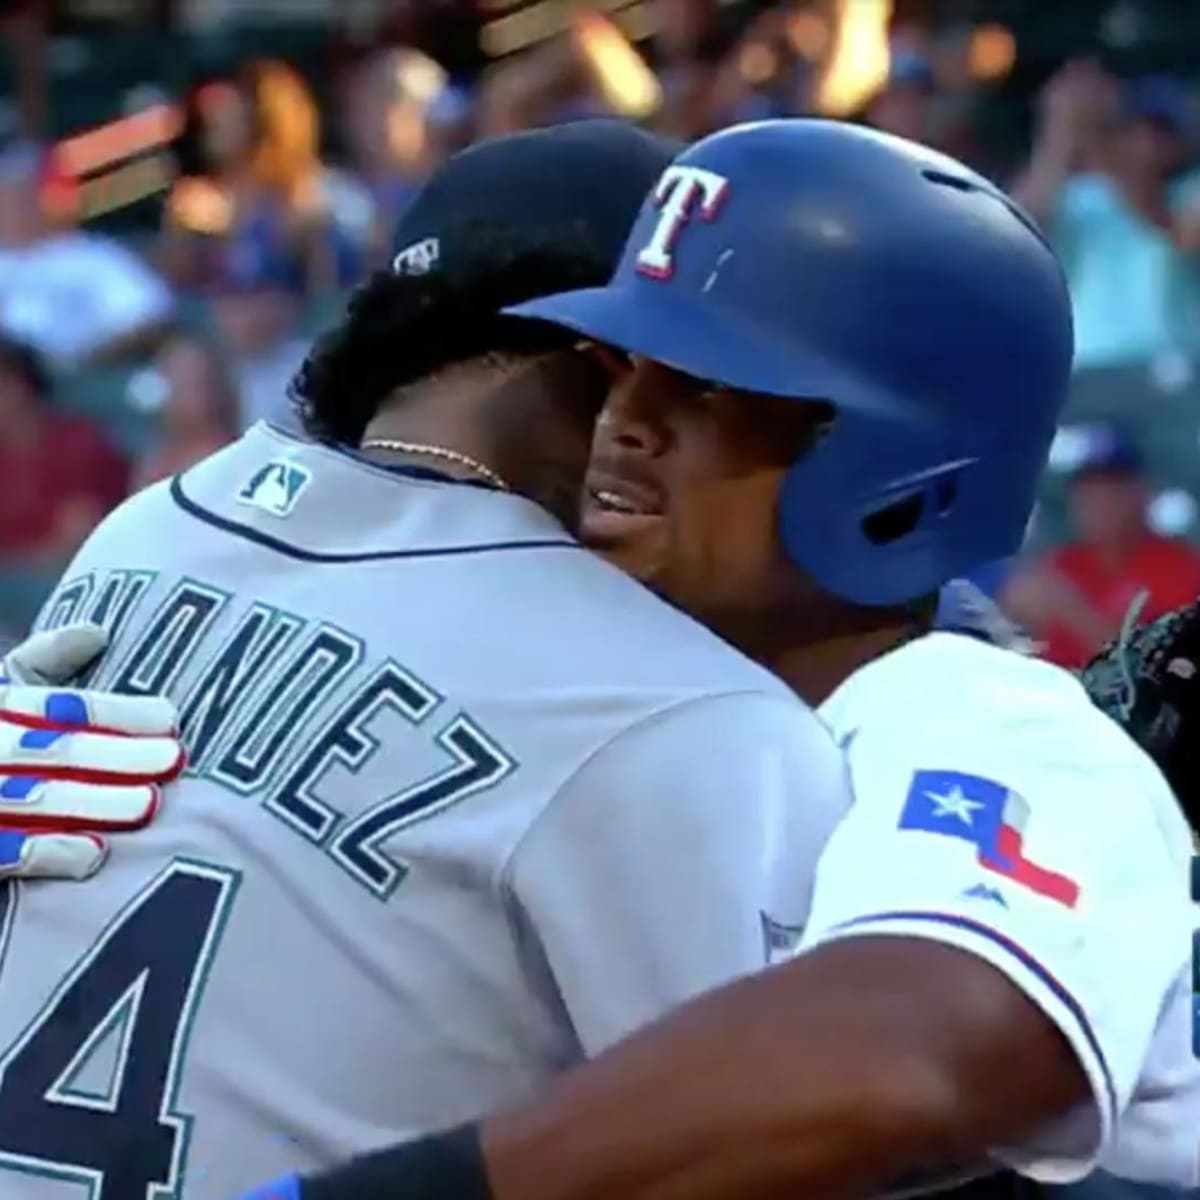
400, 328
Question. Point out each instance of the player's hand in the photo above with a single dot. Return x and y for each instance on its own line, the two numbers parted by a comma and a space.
74, 764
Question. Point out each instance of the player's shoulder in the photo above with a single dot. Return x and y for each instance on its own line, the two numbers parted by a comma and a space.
596, 628
645, 639
151, 512
951, 682
952, 703
137, 510
993, 710
160, 496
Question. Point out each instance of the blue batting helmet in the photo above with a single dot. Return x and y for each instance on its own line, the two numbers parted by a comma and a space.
816, 260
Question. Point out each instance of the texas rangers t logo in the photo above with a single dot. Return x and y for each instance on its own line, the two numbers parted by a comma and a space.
682, 192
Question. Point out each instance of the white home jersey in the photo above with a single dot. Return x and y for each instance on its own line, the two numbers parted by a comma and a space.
997, 810
464, 805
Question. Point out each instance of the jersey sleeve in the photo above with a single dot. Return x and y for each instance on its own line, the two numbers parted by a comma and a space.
677, 858
1041, 846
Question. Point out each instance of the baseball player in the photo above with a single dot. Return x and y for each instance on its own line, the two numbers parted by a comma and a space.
464, 804
847, 355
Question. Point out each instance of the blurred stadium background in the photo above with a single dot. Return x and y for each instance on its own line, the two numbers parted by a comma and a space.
189, 187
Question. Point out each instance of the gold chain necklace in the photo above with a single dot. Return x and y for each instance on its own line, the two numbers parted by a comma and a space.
455, 456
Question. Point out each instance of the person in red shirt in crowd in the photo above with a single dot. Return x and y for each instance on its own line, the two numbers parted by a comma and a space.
1074, 599
60, 475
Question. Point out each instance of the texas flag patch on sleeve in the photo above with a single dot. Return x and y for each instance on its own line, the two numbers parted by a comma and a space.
989, 816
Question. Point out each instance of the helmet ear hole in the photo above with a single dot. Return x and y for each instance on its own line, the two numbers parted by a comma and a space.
893, 522
947, 493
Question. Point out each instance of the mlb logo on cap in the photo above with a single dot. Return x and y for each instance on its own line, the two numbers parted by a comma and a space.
418, 259
276, 488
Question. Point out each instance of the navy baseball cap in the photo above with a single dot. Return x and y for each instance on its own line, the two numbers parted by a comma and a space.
577, 186
1108, 449
1158, 98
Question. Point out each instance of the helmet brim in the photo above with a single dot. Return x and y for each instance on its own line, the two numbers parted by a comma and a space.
706, 341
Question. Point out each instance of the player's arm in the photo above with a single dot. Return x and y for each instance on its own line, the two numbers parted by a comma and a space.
860, 1068
661, 866
930, 1026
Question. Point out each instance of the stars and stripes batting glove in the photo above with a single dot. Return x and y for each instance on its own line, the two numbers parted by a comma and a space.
74, 764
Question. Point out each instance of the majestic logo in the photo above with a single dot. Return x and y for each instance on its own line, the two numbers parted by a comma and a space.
981, 891
682, 193
276, 488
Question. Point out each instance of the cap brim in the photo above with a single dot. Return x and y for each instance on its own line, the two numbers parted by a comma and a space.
704, 340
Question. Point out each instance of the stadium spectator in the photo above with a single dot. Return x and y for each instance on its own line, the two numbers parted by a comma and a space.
199, 414
1075, 598
256, 303
60, 474
400, 116
259, 138
770, 72
77, 297
1104, 181
689, 46
903, 104
587, 73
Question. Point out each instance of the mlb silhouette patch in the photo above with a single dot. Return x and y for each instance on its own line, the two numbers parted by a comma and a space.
276, 488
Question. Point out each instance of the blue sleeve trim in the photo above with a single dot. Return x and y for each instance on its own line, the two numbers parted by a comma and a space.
1027, 960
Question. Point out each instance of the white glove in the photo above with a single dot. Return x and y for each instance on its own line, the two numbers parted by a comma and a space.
74, 764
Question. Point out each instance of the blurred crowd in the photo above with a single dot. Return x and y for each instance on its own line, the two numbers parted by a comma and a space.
123, 360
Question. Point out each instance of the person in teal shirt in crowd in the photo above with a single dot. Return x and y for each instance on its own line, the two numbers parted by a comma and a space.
1107, 181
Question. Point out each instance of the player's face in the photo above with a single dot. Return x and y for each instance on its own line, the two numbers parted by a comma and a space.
558, 395
682, 490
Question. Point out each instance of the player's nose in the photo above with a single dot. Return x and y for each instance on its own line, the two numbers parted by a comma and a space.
631, 421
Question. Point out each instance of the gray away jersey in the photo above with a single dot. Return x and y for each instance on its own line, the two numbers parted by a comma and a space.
464, 805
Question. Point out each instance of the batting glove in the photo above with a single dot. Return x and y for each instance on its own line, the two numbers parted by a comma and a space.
74, 764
